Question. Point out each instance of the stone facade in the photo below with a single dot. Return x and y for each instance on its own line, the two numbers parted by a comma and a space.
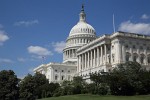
107, 51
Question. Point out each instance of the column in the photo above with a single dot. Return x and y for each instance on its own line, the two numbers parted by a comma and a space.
97, 56
94, 58
131, 51
101, 55
91, 59
82, 62
105, 46
79, 63
88, 63
69, 53
85, 61
123, 54
119, 52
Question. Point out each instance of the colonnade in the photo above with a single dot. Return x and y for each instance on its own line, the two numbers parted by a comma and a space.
92, 58
71, 53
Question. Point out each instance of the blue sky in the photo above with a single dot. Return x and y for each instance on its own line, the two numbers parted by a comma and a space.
30, 29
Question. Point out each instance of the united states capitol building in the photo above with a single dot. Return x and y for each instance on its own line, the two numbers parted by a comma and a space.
87, 53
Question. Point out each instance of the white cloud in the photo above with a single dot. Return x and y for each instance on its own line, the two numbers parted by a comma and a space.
59, 46
144, 16
26, 23
128, 26
4, 60
3, 37
39, 51
21, 59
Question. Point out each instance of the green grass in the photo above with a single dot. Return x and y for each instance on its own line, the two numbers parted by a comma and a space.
97, 97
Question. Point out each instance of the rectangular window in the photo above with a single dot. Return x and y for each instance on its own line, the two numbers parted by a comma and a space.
62, 78
56, 77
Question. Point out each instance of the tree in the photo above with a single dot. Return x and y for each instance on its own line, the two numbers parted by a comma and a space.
99, 85
124, 80
51, 89
27, 88
41, 85
8, 85
78, 84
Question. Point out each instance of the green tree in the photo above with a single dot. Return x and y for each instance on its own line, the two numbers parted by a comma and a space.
99, 85
78, 84
124, 80
27, 88
32, 87
51, 89
41, 85
8, 85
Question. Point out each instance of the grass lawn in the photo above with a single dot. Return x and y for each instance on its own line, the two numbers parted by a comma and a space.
97, 97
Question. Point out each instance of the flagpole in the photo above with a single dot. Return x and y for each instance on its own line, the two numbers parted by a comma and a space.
114, 23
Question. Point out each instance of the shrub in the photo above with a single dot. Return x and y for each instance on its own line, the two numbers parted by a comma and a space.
102, 89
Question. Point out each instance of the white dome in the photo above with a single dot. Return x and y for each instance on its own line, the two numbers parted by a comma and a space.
82, 28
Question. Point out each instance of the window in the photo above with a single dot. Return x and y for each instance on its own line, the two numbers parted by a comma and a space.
127, 46
62, 77
134, 47
62, 71
141, 47
56, 77
113, 57
148, 48
68, 71
142, 59
55, 70
127, 56
134, 58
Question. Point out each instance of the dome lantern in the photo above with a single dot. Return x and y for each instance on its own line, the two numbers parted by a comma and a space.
82, 15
